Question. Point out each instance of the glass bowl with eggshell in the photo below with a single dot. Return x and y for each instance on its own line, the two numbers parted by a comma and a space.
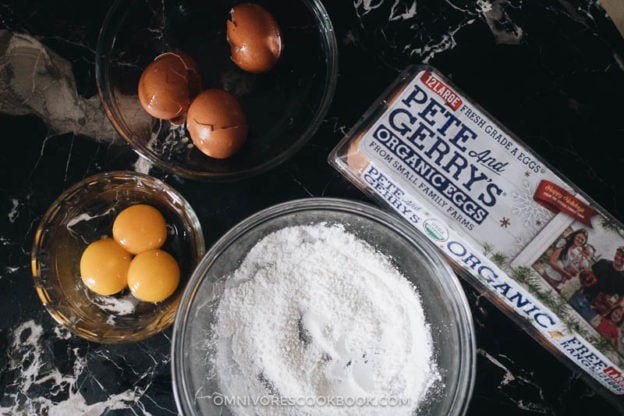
199, 360
77, 237
276, 60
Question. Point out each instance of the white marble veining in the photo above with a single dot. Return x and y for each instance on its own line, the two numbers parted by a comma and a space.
42, 387
48, 371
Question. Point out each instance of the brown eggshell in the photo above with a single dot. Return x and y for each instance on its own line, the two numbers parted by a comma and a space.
216, 123
255, 38
168, 85
356, 159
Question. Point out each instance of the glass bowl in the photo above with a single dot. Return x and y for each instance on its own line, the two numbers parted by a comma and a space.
284, 106
85, 213
195, 379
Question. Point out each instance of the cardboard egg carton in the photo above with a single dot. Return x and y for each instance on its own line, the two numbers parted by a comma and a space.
500, 215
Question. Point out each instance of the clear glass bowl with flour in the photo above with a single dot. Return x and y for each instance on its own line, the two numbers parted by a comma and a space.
327, 307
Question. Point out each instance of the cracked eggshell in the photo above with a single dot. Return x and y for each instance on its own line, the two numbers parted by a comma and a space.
217, 124
168, 85
255, 38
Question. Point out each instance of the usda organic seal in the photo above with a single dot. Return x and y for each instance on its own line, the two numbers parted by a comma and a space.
436, 230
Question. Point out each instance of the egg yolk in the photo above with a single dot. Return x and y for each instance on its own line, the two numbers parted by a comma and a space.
140, 228
104, 267
153, 275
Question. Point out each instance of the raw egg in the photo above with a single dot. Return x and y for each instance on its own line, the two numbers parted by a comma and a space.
168, 85
355, 158
216, 123
140, 228
255, 38
104, 266
153, 275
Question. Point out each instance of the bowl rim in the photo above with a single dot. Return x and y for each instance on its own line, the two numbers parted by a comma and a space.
53, 209
106, 41
458, 302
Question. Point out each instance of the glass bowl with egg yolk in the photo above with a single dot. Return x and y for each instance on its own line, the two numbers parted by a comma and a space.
112, 255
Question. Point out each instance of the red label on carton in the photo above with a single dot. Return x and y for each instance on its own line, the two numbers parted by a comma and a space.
450, 97
556, 199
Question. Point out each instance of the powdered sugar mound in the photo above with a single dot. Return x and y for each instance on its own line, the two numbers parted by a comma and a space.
314, 312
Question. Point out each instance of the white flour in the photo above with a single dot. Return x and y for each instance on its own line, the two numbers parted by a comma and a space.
315, 321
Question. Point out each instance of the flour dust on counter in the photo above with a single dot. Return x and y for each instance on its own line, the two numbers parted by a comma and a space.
315, 317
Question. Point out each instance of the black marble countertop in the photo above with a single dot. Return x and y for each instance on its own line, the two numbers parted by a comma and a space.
552, 71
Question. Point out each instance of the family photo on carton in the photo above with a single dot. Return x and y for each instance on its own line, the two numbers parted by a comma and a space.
592, 282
